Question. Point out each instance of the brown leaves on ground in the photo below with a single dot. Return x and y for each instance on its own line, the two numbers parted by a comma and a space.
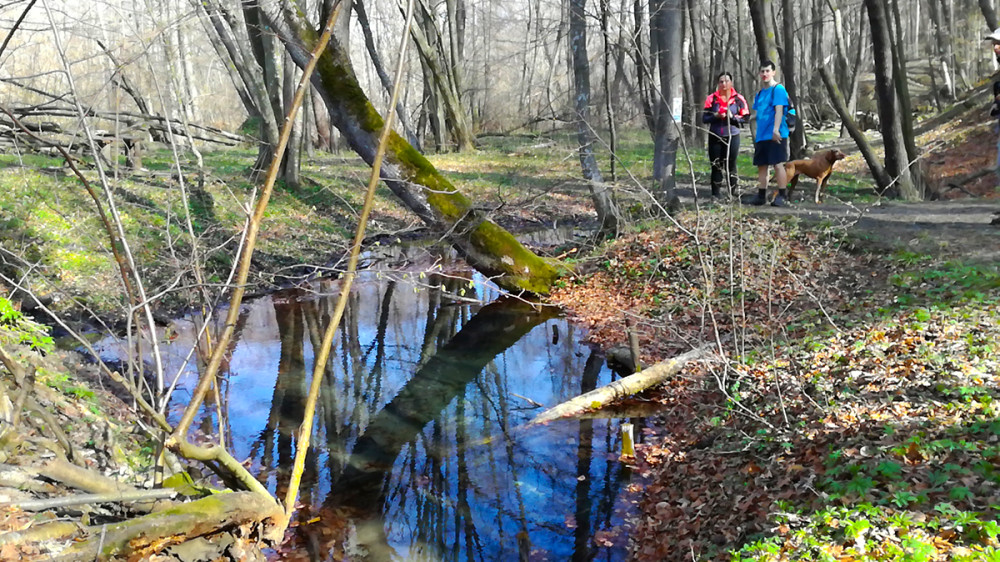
710, 273
895, 411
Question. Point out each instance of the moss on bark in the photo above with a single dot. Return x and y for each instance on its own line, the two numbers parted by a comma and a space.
419, 185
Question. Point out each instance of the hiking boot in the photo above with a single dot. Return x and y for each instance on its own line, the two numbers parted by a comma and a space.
779, 201
758, 200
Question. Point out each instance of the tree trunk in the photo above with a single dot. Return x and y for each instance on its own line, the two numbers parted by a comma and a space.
665, 39
797, 140
642, 66
599, 192
899, 75
882, 179
622, 388
896, 161
763, 30
986, 6
427, 40
383, 76
293, 152
609, 108
236, 37
421, 187
700, 84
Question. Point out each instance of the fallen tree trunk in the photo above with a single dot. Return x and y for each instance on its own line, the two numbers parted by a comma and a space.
144, 536
621, 388
423, 189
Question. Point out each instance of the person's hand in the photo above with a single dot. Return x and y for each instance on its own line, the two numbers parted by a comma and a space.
723, 114
996, 47
776, 136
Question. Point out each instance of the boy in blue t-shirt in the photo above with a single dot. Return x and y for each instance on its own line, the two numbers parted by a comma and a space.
771, 140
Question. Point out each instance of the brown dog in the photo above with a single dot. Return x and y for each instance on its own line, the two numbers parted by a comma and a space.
818, 168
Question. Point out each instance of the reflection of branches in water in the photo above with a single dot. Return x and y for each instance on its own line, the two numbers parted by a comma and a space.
495, 328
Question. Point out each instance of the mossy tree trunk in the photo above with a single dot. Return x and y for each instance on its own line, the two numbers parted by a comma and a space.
411, 177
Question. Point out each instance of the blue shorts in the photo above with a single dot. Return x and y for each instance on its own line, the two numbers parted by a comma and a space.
769, 153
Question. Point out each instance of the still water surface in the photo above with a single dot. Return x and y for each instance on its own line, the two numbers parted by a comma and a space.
419, 449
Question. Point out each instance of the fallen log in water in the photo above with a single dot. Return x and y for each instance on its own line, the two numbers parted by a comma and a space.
621, 388
143, 536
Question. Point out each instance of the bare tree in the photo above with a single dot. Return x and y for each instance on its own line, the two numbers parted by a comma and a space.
896, 160
665, 39
607, 214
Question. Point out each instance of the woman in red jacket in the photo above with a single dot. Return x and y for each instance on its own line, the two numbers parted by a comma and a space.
725, 111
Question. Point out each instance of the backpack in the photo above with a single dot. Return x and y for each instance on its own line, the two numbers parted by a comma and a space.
791, 118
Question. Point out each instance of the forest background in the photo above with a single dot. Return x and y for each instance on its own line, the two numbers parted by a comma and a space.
508, 116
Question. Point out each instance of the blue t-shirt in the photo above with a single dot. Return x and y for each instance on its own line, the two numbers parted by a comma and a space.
764, 103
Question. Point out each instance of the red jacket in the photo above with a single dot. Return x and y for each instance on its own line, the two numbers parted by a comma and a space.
739, 111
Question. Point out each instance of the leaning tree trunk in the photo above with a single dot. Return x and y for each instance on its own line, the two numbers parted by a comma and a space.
428, 43
599, 192
882, 179
419, 185
896, 161
665, 38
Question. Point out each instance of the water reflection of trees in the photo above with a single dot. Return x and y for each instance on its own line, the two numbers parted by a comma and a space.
437, 468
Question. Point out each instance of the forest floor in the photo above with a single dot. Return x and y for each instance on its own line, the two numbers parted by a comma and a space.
854, 416
854, 410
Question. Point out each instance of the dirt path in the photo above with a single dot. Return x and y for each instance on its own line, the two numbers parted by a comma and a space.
958, 228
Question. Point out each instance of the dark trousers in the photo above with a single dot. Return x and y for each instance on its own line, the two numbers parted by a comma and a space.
722, 152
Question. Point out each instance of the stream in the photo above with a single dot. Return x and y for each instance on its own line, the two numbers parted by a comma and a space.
419, 450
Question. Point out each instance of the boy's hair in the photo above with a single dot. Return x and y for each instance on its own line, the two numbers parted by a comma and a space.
767, 63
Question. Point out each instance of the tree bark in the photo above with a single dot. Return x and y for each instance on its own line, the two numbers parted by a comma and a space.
896, 161
986, 6
609, 107
899, 76
193, 519
797, 139
427, 41
621, 388
642, 64
606, 212
700, 84
419, 185
247, 55
882, 179
665, 39
383, 76
763, 30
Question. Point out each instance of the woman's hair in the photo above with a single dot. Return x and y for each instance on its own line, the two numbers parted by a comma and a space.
996, 88
724, 73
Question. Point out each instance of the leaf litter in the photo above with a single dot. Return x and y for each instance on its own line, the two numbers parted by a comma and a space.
854, 416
